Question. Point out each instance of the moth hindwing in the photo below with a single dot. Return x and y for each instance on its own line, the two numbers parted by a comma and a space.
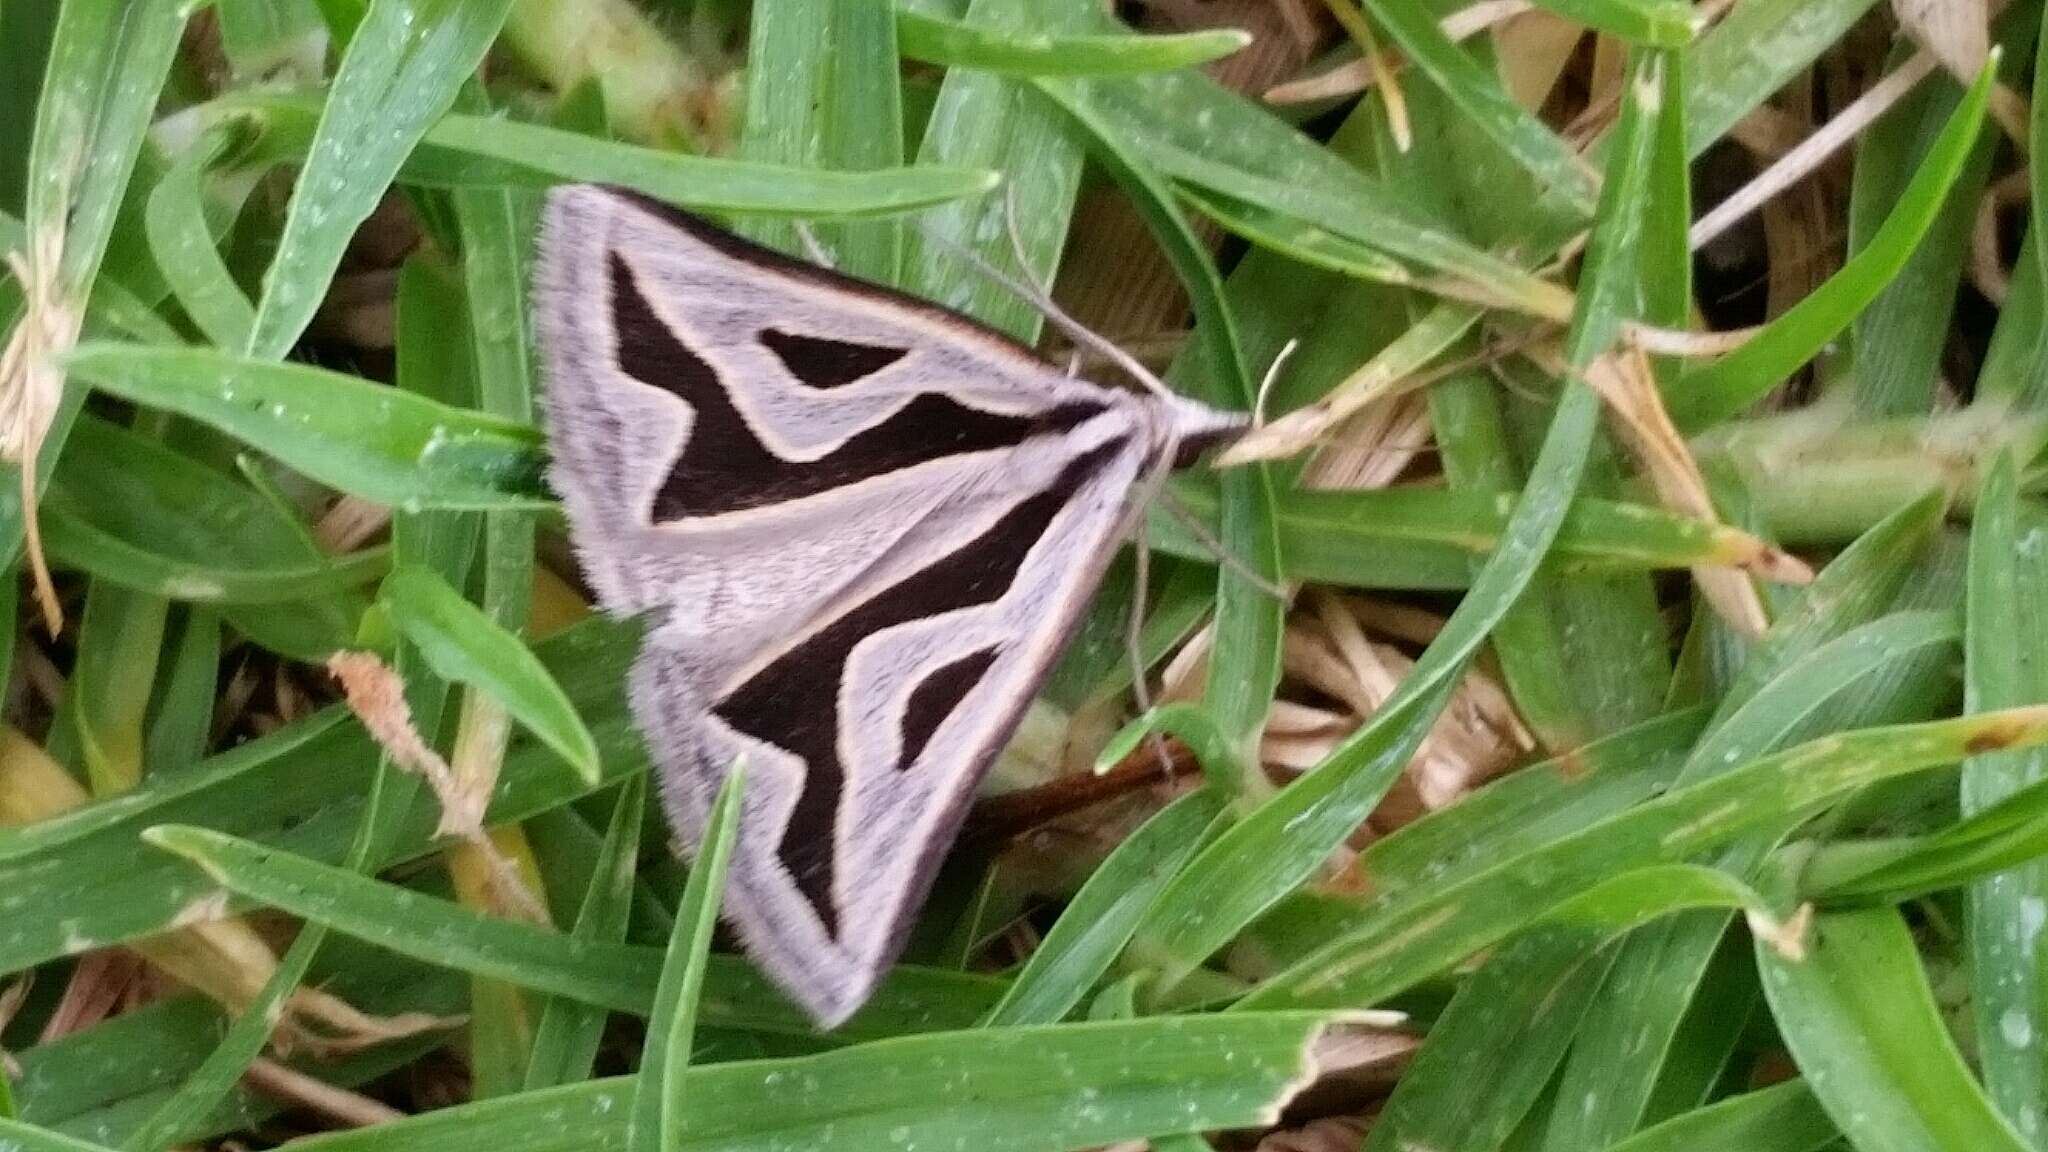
860, 526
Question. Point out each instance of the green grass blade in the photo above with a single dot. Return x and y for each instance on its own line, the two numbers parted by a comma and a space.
1731, 384
2006, 620
1281, 843
1530, 807
1406, 940
1781, 1118
1426, 537
2005, 836
107, 63
1752, 52
140, 509
621, 977
1833, 646
994, 1090
1101, 917
990, 122
1648, 23
1285, 840
261, 36
1490, 1053
119, 641
1198, 133
29, 1138
657, 1120
1863, 1026
461, 151
955, 44
400, 72
76, 542
464, 645
1245, 667
497, 228
1896, 343
822, 92
185, 246
371, 826
1298, 238
1808, 685
368, 439
224, 1066
1479, 93
566, 1040
183, 726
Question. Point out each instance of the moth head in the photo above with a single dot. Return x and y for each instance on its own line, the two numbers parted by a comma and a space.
1191, 429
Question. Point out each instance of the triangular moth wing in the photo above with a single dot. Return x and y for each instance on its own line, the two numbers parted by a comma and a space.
862, 527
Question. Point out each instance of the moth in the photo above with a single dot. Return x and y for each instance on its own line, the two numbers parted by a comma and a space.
860, 527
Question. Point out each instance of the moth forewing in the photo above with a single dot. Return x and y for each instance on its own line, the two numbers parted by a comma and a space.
863, 528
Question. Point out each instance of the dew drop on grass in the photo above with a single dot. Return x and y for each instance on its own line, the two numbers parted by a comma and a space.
2033, 915
2015, 1028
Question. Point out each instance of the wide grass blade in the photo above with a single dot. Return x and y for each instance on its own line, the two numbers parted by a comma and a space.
1400, 942
476, 151
1856, 1011
991, 1089
621, 977
936, 40
402, 69
374, 441
465, 646
2006, 626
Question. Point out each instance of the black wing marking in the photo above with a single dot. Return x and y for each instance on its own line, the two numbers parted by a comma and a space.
793, 703
725, 465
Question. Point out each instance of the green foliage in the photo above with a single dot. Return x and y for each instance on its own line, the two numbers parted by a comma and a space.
1781, 891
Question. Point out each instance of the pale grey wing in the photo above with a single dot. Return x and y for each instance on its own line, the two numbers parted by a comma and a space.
865, 739
863, 528
704, 394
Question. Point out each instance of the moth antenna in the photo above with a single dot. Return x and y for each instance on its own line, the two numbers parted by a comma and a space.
1134, 628
1208, 540
812, 247
1016, 236
1266, 382
1073, 329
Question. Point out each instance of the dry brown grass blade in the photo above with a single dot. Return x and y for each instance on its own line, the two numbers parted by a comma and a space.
1397, 369
97, 983
351, 523
1381, 70
1787, 937
1337, 676
1957, 32
1534, 47
31, 386
1987, 260
1626, 383
222, 957
377, 696
1810, 153
1355, 76
352, 1109
1374, 447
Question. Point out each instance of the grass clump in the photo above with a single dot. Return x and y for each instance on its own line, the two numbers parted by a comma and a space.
1650, 421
